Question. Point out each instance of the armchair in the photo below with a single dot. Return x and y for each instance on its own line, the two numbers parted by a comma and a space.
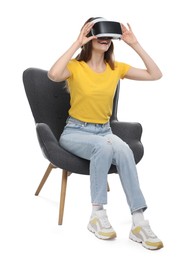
49, 103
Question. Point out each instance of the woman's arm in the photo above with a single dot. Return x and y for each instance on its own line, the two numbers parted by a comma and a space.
152, 71
59, 71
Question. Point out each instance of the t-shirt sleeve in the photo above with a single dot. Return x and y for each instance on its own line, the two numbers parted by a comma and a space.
123, 68
71, 66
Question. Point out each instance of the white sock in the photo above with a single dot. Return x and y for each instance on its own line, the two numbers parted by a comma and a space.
137, 217
97, 207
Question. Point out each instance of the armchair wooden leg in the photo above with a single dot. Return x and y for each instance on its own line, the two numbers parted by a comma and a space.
45, 177
62, 196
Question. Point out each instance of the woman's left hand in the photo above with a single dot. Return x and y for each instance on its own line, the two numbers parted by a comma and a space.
127, 35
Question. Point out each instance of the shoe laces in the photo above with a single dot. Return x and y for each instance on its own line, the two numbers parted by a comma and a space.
149, 231
105, 222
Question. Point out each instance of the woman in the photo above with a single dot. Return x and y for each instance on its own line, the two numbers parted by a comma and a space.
92, 78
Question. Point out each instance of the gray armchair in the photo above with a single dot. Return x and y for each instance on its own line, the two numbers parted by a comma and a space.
49, 103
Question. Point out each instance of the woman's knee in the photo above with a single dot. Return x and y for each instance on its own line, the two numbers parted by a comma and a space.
122, 150
103, 148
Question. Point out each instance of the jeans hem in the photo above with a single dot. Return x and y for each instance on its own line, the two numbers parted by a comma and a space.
139, 208
99, 203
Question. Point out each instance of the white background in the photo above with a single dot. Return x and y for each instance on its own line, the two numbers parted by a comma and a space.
34, 33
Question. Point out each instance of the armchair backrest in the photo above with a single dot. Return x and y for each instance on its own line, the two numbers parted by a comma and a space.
50, 101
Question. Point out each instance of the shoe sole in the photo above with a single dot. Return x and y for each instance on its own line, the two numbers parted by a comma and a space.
150, 247
91, 229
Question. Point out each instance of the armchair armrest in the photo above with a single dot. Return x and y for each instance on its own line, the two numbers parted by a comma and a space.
58, 156
47, 140
131, 134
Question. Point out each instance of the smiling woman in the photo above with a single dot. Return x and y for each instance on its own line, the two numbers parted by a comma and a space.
92, 77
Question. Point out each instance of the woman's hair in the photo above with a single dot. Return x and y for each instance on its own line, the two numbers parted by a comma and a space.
86, 52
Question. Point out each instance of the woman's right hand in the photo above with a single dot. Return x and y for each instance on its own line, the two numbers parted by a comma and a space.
83, 38
59, 71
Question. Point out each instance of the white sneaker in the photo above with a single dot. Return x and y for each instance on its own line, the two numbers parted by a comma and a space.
143, 234
100, 225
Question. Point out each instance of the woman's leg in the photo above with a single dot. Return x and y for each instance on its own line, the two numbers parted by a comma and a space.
124, 160
83, 143
86, 141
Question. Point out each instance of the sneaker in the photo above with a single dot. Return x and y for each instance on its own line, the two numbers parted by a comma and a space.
143, 234
100, 225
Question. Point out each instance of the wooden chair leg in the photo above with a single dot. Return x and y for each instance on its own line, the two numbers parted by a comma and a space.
45, 177
62, 196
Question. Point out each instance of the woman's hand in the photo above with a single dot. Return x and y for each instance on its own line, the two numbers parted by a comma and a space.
152, 71
59, 71
83, 37
127, 35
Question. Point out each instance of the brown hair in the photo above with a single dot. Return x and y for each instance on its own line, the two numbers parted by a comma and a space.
86, 52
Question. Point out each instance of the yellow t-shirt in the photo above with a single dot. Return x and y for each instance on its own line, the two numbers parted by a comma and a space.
92, 93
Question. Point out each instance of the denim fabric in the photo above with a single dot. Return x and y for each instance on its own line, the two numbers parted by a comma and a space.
97, 143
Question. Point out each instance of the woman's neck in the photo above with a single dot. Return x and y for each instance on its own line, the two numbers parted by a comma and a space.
97, 63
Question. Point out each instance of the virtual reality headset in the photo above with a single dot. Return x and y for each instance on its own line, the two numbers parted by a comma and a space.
104, 28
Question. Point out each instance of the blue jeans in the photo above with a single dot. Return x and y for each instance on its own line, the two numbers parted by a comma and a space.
97, 143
